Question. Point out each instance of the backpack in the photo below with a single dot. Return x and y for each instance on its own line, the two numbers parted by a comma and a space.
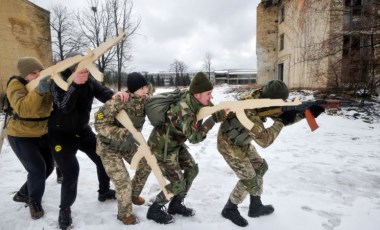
157, 106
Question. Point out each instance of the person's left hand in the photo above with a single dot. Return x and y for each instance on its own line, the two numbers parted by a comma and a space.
124, 96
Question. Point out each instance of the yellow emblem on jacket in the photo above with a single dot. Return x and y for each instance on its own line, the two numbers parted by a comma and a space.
100, 116
58, 148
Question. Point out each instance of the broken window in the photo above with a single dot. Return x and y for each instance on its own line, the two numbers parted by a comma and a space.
282, 14
282, 38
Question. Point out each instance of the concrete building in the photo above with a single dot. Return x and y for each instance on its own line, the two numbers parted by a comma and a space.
25, 31
235, 76
318, 43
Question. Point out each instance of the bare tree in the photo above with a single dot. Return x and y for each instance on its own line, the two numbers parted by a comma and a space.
121, 18
64, 38
207, 64
179, 67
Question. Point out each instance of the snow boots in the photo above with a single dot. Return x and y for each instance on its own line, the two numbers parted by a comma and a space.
156, 213
18, 197
176, 206
256, 208
36, 210
231, 212
64, 219
107, 195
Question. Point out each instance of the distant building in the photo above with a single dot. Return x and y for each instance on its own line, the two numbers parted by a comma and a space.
235, 76
318, 44
25, 31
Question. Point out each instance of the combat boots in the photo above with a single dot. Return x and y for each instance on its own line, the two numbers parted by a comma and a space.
231, 212
138, 200
64, 219
18, 197
128, 220
156, 213
176, 206
36, 210
107, 195
256, 208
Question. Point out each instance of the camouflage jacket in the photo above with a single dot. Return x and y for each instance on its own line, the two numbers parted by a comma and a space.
112, 132
182, 125
232, 129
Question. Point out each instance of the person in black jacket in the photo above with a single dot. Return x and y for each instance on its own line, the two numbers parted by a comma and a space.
69, 131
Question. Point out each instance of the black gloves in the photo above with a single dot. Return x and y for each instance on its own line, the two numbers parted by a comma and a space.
288, 117
219, 116
316, 110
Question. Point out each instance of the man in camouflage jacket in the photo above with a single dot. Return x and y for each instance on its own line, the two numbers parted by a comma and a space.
234, 144
115, 144
167, 142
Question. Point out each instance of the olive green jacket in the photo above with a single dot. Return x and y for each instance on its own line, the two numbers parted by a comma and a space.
27, 105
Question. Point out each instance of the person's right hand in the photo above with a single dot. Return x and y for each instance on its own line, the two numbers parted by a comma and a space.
288, 117
44, 85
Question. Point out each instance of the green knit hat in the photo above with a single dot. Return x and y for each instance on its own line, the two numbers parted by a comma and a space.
26, 65
275, 89
200, 84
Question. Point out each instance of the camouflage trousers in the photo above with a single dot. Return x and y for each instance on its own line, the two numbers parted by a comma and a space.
113, 162
247, 165
179, 168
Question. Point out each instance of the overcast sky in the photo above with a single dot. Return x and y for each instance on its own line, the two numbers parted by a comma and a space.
186, 30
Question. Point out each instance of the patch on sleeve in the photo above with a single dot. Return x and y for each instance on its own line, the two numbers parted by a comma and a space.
100, 116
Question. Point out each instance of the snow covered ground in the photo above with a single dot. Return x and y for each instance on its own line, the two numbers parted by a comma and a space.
323, 180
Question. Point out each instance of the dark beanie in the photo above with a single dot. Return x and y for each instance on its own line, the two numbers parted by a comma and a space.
275, 89
135, 81
27, 65
200, 83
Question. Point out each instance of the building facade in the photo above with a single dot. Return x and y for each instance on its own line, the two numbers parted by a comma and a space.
318, 43
25, 31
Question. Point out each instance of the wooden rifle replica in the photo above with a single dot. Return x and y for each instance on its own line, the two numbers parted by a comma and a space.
143, 151
84, 62
238, 107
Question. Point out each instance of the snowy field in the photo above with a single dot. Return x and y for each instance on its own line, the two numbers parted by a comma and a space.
328, 179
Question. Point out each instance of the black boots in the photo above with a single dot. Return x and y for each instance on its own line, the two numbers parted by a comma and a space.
256, 208
231, 212
107, 195
176, 206
64, 219
156, 213
18, 197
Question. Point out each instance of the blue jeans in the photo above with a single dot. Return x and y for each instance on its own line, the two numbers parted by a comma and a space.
35, 155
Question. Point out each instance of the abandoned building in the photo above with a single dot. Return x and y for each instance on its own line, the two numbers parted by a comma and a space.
318, 43
235, 76
25, 31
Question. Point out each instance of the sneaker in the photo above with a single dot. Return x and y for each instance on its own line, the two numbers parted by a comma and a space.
18, 197
157, 213
108, 195
138, 200
130, 220
64, 219
36, 210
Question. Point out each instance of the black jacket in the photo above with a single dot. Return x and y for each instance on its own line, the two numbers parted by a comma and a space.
72, 108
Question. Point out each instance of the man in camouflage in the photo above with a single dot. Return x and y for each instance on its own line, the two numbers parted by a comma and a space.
234, 144
115, 144
167, 143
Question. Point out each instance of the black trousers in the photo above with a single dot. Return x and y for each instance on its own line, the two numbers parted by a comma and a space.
35, 155
65, 146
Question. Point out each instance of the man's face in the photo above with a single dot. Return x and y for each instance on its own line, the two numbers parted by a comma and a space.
142, 92
33, 75
204, 98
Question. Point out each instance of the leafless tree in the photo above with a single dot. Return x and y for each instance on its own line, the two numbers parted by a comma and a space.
180, 68
207, 64
64, 38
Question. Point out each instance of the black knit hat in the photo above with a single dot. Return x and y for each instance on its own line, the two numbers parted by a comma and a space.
200, 84
135, 81
275, 89
26, 66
